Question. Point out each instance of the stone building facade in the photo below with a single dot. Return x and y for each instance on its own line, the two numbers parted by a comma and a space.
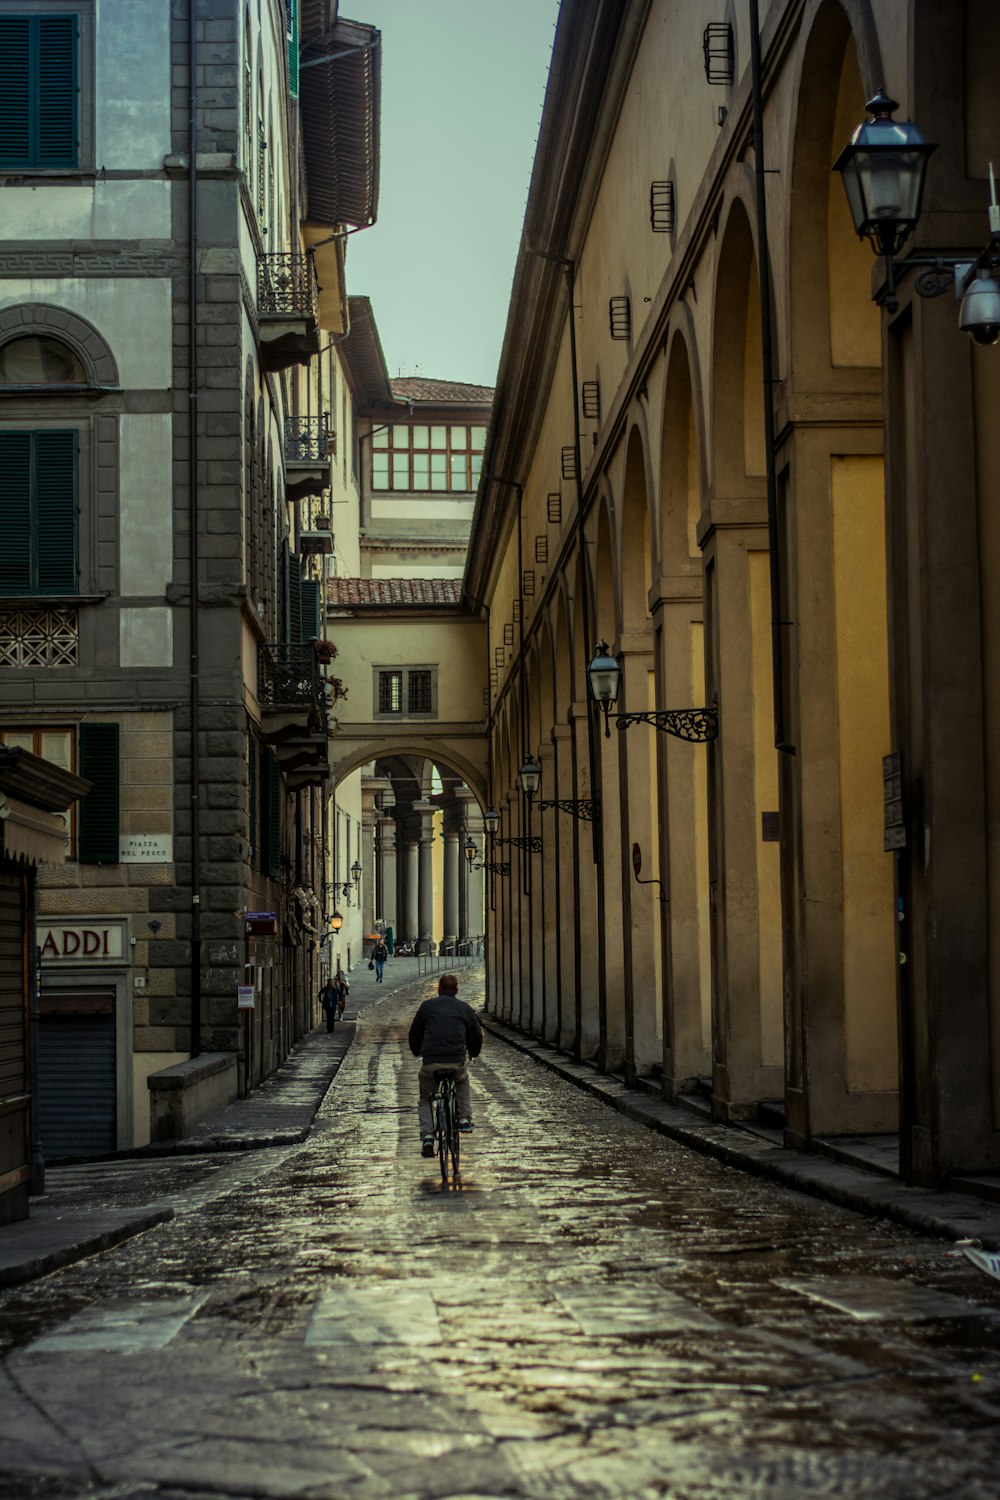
175, 425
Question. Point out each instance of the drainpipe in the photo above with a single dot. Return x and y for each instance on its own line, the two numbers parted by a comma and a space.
193, 528
767, 359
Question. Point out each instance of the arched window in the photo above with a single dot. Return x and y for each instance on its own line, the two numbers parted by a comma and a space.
39, 361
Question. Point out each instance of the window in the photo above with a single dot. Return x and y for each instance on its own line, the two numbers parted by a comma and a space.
39, 124
420, 457
40, 361
405, 692
390, 692
38, 512
57, 746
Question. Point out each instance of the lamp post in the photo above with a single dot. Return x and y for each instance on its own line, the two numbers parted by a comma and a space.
883, 169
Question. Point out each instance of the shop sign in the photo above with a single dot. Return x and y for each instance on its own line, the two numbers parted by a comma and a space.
262, 924
146, 849
92, 942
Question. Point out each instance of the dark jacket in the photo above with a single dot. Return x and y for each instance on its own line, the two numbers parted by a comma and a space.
445, 1028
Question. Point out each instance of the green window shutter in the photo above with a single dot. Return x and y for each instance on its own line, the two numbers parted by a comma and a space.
274, 817
293, 598
16, 91
312, 625
252, 786
15, 510
263, 808
55, 511
98, 763
38, 95
57, 91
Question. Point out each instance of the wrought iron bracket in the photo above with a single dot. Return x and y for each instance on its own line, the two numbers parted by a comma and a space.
494, 868
534, 843
936, 273
697, 725
584, 808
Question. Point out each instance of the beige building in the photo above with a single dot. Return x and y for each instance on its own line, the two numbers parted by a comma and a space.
820, 939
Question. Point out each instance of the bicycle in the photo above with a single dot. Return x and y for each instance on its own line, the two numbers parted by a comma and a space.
444, 1110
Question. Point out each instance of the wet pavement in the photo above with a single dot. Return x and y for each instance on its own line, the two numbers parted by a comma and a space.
597, 1312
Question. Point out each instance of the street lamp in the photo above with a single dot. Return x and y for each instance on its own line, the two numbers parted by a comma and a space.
470, 852
530, 777
604, 674
883, 170
696, 725
336, 922
492, 820
356, 873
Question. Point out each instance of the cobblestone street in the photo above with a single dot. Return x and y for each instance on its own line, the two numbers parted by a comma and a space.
598, 1312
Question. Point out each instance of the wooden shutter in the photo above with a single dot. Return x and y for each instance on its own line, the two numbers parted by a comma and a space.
98, 763
16, 91
312, 625
57, 102
252, 784
55, 511
272, 850
293, 598
15, 508
38, 96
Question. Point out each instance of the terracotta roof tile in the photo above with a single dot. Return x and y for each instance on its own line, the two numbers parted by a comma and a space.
419, 388
388, 593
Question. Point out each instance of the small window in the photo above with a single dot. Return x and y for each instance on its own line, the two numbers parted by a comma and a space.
390, 692
419, 692
59, 747
406, 692
40, 361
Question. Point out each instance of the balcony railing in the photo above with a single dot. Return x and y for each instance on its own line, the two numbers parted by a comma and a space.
307, 439
286, 286
288, 677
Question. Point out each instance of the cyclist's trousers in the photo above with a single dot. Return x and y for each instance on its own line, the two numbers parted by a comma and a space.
427, 1070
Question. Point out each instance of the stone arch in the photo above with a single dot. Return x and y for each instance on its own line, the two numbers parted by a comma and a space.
43, 319
635, 548
344, 759
681, 467
737, 409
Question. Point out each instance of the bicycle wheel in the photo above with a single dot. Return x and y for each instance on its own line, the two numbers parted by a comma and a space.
453, 1134
441, 1131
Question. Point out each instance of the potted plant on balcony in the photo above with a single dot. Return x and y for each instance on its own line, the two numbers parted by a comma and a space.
324, 652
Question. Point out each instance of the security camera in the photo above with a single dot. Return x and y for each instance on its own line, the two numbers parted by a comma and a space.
980, 313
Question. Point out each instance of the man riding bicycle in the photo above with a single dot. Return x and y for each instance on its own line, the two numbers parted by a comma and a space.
444, 1029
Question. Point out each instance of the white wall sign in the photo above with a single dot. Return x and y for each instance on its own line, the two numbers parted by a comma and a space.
146, 849
97, 941
245, 996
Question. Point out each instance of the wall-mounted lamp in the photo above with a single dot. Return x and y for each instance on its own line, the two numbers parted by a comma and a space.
697, 725
883, 170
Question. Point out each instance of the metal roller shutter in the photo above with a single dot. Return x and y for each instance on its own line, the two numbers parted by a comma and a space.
77, 1080
12, 1007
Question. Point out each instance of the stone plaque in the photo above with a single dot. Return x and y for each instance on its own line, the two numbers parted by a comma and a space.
146, 849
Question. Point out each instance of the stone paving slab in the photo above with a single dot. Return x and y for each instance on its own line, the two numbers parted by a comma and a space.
946, 1215
52, 1238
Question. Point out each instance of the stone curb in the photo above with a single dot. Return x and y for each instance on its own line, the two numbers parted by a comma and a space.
945, 1215
73, 1237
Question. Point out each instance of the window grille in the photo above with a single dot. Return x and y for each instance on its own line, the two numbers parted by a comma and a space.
569, 463
591, 392
390, 692
620, 311
508, 635
661, 207
261, 169
419, 697
555, 508
720, 55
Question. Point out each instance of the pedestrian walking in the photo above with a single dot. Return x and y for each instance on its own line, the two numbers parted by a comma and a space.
329, 999
379, 955
343, 989
444, 1030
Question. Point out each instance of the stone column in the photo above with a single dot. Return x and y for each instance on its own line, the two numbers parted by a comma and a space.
386, 899
452, 858
367, 892
411, 889
425, 875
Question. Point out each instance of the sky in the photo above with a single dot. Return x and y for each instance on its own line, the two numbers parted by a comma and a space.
462, 89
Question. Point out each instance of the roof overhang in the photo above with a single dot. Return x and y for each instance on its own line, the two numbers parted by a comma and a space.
339, 105
364, 360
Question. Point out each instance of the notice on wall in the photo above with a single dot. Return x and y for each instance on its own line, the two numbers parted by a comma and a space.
245, 994
146, 849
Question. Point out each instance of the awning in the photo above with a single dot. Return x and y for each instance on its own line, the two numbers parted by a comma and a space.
339, 104
31, 834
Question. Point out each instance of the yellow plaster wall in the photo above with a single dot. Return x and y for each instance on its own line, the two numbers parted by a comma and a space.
855, 322
456, 647
144, 1063
858, 498
765, 792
